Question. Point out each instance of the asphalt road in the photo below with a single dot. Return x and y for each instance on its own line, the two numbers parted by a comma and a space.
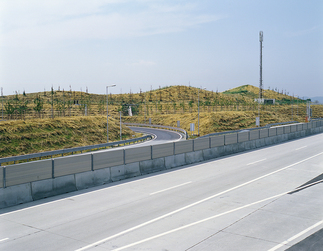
245, 201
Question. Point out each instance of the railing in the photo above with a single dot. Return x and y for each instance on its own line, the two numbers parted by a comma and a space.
159, 126
71, 150
248, 129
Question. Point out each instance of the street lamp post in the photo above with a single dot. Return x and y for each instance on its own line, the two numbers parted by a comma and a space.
108, 111
198, 111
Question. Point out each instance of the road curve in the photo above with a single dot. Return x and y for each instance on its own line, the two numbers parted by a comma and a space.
246, 201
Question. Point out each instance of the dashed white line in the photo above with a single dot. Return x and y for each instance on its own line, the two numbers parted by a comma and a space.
4, 239
295, 236
300, 148
255, 162
160, 191
193, 204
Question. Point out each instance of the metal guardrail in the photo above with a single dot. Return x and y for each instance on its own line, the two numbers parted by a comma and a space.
71, 150
247, 129
159, 126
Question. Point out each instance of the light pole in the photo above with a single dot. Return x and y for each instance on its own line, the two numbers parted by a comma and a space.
120, 127
198, 111
108, 111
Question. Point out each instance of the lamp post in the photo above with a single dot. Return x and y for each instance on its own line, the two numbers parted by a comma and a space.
108, 111
198, 111
120, 127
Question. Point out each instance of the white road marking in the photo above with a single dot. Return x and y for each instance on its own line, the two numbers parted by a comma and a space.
255, 162
4, 239
193, 204
300, 148
224, 213
296, 236
170, 188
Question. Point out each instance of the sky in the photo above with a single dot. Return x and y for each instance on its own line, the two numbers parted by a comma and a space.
147, 44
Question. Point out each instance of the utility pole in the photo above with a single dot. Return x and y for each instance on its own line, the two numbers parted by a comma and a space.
261, 38
107, 89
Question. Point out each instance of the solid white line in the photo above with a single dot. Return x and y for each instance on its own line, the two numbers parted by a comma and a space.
170, 188
224, 213
300, 148
191, 205
4, 239
296, 236
255, 162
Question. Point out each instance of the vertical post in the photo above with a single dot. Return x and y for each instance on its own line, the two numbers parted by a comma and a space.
198, 112
120, 127
107, 89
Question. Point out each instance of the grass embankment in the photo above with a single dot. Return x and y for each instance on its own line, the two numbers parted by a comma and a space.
211, 122
39, 135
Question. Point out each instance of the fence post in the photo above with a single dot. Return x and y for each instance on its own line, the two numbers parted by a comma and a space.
4, 177
53, 169
124, 156
92, 162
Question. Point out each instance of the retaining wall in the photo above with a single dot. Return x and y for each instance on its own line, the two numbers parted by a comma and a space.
30, 181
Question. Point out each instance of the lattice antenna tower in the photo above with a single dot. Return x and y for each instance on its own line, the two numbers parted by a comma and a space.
261, 38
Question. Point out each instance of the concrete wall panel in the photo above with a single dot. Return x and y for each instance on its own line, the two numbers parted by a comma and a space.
1, 176
243, 136
175, 161
272, 132
194, 157
92, 178
15, 195
286, 129
254, 134
217, 141
264, 133
231, 138
201, 144
163, 150
107, 159
72, 164
28, 172
183, 146
293, 128
137, 154
151, 166
280, 130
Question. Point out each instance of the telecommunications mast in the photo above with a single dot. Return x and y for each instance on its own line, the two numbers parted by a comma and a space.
261, 38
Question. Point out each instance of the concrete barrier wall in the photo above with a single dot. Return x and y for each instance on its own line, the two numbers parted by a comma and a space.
286, 129
72, 164
83, 177
217, 141
108, 159
137, 154
28, 172
243, 136
231, 138
253, 135
263, 133
1, 176
272, 132
280, 130
163, 150
183, 146
201, 144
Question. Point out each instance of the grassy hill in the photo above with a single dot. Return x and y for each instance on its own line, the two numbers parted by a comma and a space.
38, 135
28, 130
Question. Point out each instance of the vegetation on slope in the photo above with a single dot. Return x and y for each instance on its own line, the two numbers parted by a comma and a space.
39, 135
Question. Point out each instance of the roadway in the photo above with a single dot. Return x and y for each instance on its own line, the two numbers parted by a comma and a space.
245, 201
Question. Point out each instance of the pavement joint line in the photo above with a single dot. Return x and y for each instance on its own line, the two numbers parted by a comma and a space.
218, 215
196, 203
296, 236
256, 162
160, 191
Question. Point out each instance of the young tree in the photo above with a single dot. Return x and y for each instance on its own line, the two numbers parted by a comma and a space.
39, 105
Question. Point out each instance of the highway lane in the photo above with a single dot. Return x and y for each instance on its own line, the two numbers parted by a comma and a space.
241, 202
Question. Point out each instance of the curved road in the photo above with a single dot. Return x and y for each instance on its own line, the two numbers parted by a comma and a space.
161, 136
246, 201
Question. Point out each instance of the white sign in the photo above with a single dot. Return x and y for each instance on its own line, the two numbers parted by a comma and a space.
257, 121
192, 127
129, 111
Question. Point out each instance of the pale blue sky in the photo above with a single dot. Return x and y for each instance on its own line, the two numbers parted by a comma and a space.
143, 43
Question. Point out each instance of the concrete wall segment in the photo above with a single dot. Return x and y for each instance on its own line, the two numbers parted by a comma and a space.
201, 143
231, 138
163, 150
243, 136
107, 159
15, 195
28, 172
217, 141
254, 134
183, 146
151, 166
137, 154
72, 164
